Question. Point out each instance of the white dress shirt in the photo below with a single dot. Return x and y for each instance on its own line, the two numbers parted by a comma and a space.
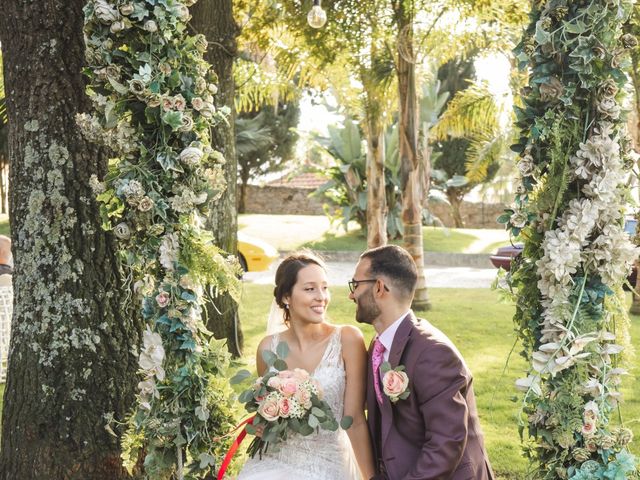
386, 337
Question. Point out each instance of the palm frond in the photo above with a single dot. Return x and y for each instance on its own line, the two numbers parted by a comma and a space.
472, 111
484, 151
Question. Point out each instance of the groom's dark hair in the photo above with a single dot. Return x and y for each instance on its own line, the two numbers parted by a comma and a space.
396, 264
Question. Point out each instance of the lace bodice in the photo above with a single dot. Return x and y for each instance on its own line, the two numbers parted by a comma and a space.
329, 373
325, 455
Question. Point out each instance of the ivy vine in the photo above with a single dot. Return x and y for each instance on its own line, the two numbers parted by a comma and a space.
152, 95
569, 211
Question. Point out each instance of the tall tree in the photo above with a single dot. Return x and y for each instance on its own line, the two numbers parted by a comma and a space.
411, 173
71, 357
214, 19
4, 144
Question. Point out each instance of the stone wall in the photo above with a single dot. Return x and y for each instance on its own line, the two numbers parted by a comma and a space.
296, 201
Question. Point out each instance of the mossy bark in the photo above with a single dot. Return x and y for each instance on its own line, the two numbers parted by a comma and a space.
214, 19
72, 356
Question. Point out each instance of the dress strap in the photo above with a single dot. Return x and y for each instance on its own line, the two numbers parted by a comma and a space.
333, 354
275, 339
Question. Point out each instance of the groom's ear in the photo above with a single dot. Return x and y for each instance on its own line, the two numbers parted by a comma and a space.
381, 287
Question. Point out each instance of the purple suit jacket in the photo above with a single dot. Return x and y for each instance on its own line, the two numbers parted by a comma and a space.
434, 434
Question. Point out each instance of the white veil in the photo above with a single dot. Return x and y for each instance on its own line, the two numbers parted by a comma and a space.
275, 322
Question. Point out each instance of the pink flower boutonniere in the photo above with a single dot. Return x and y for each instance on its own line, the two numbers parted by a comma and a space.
395, 382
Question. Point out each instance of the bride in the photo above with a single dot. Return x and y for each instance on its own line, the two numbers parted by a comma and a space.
335, 356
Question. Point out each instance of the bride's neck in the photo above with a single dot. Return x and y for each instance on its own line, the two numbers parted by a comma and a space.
305, 334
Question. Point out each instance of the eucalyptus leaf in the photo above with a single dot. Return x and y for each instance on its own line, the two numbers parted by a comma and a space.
269, 357
346, 422
240, 377
282, 350
313, 421
280, 365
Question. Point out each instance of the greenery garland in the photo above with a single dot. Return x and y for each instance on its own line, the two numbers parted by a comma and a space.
568, 209
153, 108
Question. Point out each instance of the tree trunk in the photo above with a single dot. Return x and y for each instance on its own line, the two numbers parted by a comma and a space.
376, 198
409, 161
214, 19
455, 200
72, 360
244, 181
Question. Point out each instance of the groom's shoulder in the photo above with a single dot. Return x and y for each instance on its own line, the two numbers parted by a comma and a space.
428, 336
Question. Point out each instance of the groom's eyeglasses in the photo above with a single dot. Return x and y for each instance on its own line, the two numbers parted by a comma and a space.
353, 284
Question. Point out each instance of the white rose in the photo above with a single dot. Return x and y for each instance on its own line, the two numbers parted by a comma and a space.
191, 156
187, 123
207, 110
126, 9
122, 231
197, 103
116, 27
105, 12
519, 219
150, 26
179, 102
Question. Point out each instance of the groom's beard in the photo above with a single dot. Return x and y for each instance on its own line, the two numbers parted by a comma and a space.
366, 309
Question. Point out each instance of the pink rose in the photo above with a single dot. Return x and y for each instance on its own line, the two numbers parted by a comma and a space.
285, 374
394, 384
288, 387
303, 397
269, 409
274, 382
285, 407
162, 299
592, 446
588, 429
301, 374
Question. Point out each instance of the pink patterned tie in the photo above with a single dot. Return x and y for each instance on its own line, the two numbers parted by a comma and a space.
376, 360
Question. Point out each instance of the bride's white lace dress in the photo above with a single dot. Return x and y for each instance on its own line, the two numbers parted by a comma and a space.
321, 456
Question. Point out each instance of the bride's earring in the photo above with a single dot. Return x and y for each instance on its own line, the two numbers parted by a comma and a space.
286, 306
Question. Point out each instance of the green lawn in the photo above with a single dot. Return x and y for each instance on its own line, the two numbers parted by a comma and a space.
4, 225
482, 330
434, 239
291, 232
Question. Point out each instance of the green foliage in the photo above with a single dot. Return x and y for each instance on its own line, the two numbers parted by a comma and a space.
576, 255
265, 140
346, 189
153, 107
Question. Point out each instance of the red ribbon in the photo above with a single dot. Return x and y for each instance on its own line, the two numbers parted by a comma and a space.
234, 447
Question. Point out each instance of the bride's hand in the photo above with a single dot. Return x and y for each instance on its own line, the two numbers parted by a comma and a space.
259, 431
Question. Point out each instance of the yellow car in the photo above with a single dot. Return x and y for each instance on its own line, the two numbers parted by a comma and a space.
255, 255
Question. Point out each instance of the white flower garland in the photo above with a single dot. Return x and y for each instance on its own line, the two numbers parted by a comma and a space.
568, 210
152, 95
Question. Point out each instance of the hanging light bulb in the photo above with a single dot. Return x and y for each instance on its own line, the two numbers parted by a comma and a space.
316, 17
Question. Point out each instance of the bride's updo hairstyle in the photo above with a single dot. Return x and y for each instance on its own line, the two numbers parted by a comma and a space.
287, 276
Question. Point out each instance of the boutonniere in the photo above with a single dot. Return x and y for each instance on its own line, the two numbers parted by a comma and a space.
395, 382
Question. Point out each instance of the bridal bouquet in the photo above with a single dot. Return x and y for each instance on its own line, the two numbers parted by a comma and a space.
284, 401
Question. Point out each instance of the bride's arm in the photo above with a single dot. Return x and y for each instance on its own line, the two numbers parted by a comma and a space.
354, 355
264, 344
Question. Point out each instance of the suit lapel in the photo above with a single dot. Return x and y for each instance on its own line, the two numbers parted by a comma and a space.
400, 340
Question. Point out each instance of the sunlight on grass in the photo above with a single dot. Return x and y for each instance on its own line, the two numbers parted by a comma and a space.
4, 225
291, 232
482, 330
435, 239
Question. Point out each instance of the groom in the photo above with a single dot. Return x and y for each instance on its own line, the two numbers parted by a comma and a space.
423, 419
